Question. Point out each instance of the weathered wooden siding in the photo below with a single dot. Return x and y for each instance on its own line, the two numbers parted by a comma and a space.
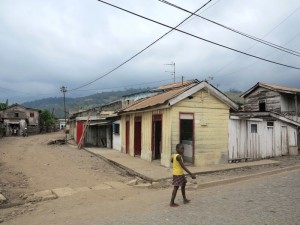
269, 141
271, 98
210, 127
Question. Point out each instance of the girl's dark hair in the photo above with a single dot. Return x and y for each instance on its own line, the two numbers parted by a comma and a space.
178, 146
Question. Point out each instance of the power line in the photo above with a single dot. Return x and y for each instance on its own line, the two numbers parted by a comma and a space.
195, 36
251, 64
281, 48
139, 51
219, 70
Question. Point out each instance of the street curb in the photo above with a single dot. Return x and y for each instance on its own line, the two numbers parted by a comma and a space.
120, 167
248, 177
205, 185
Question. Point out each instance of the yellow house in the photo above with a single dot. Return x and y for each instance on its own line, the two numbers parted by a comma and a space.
193, 113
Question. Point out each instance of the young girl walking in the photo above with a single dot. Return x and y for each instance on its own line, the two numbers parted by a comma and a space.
179, 179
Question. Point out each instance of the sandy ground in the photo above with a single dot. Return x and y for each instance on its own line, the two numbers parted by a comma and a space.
29, 165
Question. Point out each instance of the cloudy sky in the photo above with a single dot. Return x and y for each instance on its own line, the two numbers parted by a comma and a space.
52, 43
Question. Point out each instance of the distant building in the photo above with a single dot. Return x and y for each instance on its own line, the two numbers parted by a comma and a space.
16, 118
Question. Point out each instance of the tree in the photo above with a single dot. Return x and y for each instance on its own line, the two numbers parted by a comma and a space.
4, 105
46, 118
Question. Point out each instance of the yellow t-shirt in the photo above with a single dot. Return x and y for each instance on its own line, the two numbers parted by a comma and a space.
177, 169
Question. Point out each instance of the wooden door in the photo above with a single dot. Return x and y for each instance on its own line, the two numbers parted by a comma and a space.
284, 140
79, 131
270, 150
137, 136
253, 141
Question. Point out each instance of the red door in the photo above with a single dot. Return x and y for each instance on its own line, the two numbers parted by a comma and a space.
127, 136
137, 135
79, 131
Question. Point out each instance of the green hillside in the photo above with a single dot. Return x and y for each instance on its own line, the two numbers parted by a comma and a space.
56, 105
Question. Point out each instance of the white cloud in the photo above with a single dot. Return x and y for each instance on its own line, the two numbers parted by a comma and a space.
47, 44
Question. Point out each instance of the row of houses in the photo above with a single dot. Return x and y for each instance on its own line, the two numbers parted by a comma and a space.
16, 120
211, 126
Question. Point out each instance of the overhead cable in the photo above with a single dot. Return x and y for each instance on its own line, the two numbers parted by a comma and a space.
200, 38
281, 48
104, 75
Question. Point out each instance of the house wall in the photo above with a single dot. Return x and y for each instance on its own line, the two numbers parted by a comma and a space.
146, 152
288, 103
271, 98
211, 118
267, 142
32, 120
72, 130
117, 137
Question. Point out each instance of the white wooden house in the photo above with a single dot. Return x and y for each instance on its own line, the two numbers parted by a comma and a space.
259, 135
269, 124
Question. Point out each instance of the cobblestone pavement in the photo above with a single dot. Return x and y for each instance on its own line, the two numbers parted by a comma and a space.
272, 200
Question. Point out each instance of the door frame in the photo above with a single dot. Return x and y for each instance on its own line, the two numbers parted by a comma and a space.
156, 118
137, 141
127, 135
193, 141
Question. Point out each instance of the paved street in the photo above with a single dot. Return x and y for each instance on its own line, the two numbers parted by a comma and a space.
273, 200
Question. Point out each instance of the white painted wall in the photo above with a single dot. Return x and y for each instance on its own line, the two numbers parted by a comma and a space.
267, 142
117, 138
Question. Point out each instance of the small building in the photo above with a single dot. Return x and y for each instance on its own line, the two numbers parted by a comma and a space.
264, 97
269, 124
61, 123
260, 135
193, 113
16, 118
103, 123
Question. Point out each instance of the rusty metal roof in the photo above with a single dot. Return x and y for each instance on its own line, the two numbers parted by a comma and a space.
281, 88
156, 100
176, 85
273, 87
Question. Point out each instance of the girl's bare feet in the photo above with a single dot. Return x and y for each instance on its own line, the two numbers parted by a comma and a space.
173, 204
186, 201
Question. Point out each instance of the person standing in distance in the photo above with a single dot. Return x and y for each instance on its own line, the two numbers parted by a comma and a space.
179, 179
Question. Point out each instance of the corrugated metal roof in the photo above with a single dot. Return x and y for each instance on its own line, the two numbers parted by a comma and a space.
176, 85
278, 88
156, 100
281, 88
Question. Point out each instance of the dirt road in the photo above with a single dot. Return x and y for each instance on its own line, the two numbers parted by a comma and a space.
29, 165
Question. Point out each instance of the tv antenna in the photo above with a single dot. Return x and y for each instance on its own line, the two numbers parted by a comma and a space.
172, 72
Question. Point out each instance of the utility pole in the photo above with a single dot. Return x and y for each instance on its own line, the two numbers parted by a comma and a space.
172, 72
63, 89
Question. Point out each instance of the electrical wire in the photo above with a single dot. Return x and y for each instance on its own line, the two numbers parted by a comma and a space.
252, 46
251, 64
104, 75
281, 48
195, 36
